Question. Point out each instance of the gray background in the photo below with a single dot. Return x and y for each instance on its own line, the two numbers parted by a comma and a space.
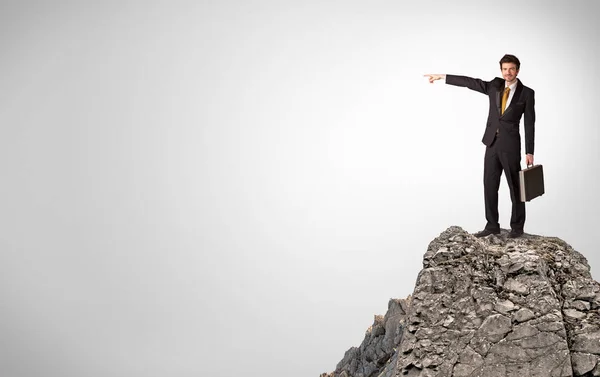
236, 188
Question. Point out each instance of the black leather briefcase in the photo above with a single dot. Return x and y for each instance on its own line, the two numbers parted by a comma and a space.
532, 182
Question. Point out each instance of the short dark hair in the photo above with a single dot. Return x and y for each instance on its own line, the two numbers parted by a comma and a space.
510, 59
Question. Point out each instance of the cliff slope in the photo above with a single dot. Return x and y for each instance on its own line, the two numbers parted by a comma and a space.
488, 307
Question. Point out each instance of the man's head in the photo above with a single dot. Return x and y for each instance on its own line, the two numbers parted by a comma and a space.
510, 65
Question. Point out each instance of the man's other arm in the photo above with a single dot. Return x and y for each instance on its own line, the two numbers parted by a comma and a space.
529, 126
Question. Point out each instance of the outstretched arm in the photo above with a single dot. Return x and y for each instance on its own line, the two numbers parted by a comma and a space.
468, 82
477, 85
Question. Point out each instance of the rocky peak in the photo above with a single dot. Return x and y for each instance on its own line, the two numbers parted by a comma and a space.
488, 307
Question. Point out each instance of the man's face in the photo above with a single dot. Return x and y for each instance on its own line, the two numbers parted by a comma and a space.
509, 71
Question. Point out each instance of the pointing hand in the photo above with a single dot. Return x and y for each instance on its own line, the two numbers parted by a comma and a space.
433, 77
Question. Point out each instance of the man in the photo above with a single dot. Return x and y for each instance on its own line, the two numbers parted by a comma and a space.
509, 100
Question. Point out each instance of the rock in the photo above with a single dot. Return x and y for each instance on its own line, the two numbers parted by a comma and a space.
523, 315
581, 305
379, 348
471, 358
495, 327
462, 370
504, 306
488, 307
551, 326
517, 287
573, 313
588, 343
583, 362
522, 331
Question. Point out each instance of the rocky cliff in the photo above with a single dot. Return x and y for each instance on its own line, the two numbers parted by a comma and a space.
488, 307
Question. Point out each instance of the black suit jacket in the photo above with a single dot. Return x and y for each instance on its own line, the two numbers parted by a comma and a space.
522, 102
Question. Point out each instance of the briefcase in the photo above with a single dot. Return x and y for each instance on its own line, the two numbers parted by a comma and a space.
532, 182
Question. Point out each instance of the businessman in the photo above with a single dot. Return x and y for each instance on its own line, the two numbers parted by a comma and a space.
509, 101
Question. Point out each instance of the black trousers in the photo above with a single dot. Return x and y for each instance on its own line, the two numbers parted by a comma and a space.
495, 162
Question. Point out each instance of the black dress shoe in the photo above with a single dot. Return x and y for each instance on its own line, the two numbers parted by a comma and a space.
486, 232
515, 233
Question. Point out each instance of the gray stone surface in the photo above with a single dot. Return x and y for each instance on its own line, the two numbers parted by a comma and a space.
376, 355
488, 307
583, 362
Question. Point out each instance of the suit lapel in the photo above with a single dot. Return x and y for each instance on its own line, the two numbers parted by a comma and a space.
498, 100
499, 91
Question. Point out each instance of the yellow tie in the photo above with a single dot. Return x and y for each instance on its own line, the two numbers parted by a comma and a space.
505, 98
